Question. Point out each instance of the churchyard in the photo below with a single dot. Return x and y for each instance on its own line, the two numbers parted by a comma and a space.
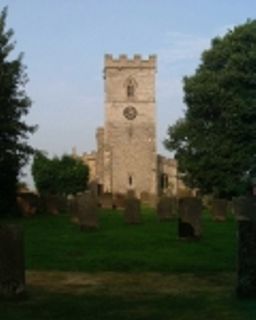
128, 271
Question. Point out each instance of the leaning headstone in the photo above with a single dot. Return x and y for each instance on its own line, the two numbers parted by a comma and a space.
219, 209
132, 211
245, 211
12, 265
166, 208
190, 211
87, 205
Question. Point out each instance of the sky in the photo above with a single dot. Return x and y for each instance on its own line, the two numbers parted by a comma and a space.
64, 43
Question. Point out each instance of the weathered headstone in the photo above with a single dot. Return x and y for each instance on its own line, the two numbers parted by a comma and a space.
132, 210
219, 208
12, 263
190, 211
106, 200
245, 211
87, 205
118, 201
166, 208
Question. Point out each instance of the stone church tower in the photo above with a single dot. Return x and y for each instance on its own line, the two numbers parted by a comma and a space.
126, 156
127, 144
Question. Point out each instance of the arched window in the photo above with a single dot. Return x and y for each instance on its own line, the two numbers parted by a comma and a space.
130, 87
130, 90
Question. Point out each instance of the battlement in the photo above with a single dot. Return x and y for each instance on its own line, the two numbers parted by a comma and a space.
123, 61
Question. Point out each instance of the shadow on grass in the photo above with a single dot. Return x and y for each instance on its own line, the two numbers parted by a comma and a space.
42, 304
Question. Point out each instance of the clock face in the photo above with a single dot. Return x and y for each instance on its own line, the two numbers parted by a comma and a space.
130, 113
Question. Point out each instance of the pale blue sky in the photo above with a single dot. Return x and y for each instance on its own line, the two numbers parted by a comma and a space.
64, 42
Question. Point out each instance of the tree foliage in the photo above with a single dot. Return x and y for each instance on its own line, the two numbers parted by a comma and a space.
65, 175
14, 105
215, 142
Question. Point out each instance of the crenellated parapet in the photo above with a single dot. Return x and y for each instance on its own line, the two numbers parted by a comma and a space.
123, 61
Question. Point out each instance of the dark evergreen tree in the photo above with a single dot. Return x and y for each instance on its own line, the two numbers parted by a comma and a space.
14, 132
215, 142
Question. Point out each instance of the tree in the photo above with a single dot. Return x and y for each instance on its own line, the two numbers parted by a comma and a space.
14, 132
215, 142
65, 175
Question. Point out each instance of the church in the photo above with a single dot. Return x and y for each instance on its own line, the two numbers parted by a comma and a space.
126, 157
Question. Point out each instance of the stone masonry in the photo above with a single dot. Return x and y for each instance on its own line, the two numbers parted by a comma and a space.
130, 134
126, 157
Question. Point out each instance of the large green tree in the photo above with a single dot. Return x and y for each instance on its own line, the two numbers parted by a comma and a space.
63, 176
215, 142
14, 132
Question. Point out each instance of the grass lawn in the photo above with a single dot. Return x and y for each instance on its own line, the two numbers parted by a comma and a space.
128, 272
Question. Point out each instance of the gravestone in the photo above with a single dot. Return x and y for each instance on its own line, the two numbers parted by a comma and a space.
166, 208
189, 224
132, 210
12, 264
118, 201
245, 212
87, 205
106, 200
219, 209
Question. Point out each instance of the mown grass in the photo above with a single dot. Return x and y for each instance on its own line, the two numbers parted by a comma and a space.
128, 272
52, 243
